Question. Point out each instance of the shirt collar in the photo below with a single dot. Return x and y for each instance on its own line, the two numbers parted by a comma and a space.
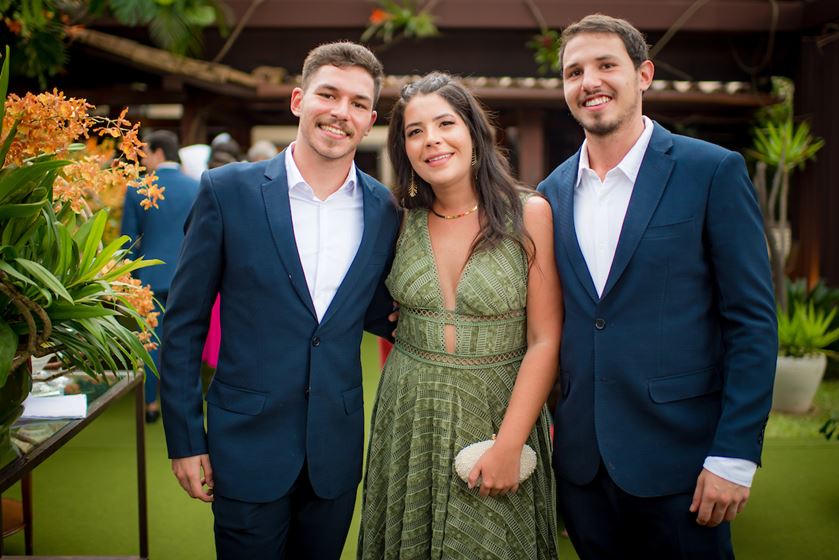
295, 178
168, 165
630, 165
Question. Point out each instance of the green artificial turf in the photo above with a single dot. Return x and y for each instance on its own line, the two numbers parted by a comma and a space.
85, 495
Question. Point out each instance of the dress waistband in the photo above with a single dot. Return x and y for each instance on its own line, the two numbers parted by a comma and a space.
458, 361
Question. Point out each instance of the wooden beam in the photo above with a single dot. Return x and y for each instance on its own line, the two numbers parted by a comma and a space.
555, 96
819, 12
649, 15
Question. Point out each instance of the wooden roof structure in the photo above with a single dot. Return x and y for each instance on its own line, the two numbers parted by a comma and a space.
713, 61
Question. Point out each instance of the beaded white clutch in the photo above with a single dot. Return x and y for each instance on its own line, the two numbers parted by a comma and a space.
465, 461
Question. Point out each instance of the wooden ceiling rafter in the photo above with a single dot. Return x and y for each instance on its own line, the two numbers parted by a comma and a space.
228, 81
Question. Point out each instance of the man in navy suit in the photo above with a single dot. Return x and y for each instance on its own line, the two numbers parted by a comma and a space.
669, 342
298, 246
159, 232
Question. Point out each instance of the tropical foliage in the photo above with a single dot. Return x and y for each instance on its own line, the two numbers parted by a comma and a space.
61, 290
805, 330
37, 28
395, 19
830, 429
545, 47
780, 146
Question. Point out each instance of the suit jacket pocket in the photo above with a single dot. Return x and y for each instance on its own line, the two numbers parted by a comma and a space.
667, 231
353, 400
685, 385
235, 399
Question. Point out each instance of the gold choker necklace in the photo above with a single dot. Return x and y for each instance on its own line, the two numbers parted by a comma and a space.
454, 216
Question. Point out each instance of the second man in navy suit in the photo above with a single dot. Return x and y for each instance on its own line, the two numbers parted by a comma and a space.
158, 232
669, 342
298, 246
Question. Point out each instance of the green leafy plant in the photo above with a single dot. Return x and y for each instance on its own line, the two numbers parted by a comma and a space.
780, 146
821, 295
395, 20
37, 28
830, 428
545, 44
61, 290
805, 331
545, 47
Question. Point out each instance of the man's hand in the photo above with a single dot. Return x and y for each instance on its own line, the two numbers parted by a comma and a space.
717, 499
188, 471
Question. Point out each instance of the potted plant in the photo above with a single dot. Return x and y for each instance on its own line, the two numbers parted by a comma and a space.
62, 291
804, 334
781, 145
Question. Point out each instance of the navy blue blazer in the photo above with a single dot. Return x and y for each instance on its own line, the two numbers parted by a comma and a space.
287, 388
160, 231
675, 360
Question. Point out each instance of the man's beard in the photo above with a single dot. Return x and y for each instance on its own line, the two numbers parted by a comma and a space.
602, 128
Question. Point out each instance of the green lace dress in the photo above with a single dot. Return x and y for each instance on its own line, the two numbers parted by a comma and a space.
431, 404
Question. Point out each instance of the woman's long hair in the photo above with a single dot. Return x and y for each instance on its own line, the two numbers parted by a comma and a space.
499, 193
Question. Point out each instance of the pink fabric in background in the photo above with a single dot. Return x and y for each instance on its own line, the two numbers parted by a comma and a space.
211, 345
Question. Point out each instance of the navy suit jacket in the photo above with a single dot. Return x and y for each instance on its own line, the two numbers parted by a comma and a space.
160, 231
287, 388
675, 360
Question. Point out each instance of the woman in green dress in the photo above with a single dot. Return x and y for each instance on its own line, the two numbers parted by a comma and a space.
476, 346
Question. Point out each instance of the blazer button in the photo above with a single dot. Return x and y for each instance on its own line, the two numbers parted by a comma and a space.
306, 392
316, 341
600, 324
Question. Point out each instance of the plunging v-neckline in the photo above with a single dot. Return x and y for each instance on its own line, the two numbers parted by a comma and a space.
436, 268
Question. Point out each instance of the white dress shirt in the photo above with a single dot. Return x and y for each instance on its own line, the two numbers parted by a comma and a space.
327, 232
600, 207
599, 210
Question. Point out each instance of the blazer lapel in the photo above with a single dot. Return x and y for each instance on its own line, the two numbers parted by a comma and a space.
649, 186
278, 209
372, 221
567, 231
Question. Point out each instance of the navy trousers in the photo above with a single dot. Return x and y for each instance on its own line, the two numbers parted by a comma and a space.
606, 523
298, 526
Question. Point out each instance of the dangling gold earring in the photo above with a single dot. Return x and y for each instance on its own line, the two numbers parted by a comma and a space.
475, 164
412, 186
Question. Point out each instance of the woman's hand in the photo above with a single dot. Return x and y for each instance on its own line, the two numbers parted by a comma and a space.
498, 471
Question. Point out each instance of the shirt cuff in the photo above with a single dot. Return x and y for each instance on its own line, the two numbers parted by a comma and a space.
738, 471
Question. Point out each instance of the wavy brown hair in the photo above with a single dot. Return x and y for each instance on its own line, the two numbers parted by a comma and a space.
499, 193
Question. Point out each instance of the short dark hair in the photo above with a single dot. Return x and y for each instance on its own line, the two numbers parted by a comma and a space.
633, 40
165, 140
499, 194
344, 53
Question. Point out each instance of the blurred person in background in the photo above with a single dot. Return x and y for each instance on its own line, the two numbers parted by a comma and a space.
158, 234
262, 149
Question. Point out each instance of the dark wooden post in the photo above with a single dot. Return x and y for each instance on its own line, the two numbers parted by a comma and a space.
818, 185
531, 146
194, 120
